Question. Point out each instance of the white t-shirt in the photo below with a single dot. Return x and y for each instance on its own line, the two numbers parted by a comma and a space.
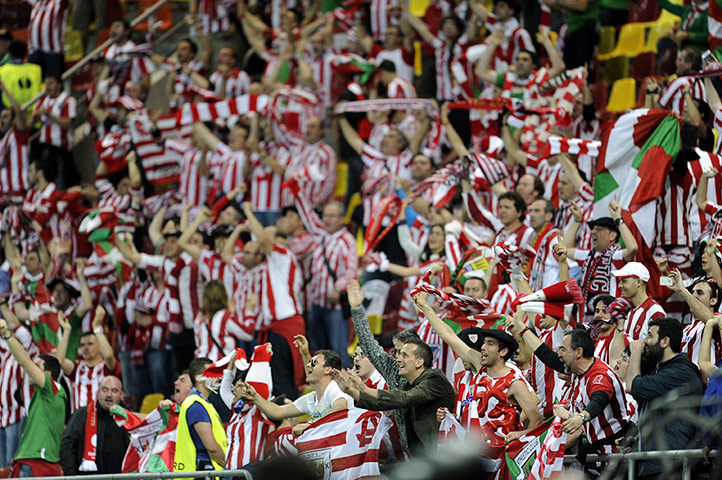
310, 404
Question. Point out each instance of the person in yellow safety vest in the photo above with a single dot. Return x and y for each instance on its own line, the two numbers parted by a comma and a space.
201, 443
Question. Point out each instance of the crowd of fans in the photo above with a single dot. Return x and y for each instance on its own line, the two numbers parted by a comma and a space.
324, 179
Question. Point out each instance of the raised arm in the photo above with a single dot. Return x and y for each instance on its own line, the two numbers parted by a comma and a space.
713, 99
106, 351
705, 362
558, 65
352, 137
570, 170
630, 243
86, 299
230, 245
483, 67
20, 122
185, 239
417, 24
155, 229
699, 310
61, 353
422, 128
456, 142
514, 153
37, 376
466, 353
269, 409
264, 237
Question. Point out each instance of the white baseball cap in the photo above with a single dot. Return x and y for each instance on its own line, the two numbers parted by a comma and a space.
632, 269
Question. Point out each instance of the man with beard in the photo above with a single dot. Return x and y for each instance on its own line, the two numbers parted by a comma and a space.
674, 374
497, 421
593, 403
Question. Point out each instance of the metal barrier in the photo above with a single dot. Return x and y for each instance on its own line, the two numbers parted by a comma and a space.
206, 474
84, 61
631, 458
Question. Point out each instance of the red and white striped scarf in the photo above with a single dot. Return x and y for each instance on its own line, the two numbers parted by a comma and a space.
208, 112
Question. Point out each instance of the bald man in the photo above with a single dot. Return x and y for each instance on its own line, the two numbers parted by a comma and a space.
105, 455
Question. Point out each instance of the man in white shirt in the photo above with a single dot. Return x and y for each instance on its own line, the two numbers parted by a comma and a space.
326, 397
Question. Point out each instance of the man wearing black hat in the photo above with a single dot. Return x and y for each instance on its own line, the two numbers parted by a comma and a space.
493, 400
604, 256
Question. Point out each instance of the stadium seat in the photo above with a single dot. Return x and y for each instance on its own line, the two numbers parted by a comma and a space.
643, 11
341, 180
630, 42
656, 31
600, 95
418, 7
606, 40
73, 45
623, 95
643, 65
150, 402
615, 69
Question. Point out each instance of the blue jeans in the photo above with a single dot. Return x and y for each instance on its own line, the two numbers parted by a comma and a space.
269, 218
9, 440
25, 471
329, 330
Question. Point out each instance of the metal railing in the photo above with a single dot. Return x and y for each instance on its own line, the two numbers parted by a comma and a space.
84, 61
631, 458
206, 474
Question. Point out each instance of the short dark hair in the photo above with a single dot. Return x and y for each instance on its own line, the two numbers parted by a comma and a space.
387, 66
49, 168
331, 359
693, 57
197, 366
194, 47
604, 298
483, 282
548, 205
87, 333
513, 4
518, 202
671, 328
405, 336
714, 290
422, 351
52, 365
457, 22
54, 75
582, 339
17, 49
126, 23
534, 56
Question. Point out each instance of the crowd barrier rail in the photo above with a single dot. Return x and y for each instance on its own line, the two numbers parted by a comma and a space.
206, 474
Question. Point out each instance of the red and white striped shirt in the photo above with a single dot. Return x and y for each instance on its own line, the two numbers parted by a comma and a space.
171, 304
637, 323
604, 344
692, 343
444, 356
183, 81
190, 289
266, 184
86, 380
237, 83
614, 417
14, 162
545, 382
403, 60
516, 39
224, 328
47, 26
126, 65
376, 381
281, 290
323, 74
337, 249
677, 213
158, 302
160, 168
320, 155
213, 267
378, 165
14, 378
672, 97
445, 54
231, 169
563, 219
214, 15
378, 132
193, 186
549, 174
62, 106
303, 246
380, 17
399, 87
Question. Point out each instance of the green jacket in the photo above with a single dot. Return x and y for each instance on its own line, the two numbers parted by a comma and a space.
697, 31
420, 401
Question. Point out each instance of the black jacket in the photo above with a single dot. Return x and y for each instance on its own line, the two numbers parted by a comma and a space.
112, 443
419, 401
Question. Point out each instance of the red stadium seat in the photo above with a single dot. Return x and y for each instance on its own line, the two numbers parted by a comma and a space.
600, 94
643, 10
643, 65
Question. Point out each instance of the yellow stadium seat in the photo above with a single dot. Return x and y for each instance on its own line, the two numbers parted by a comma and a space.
150, 402
630, 42
623, 96
615, 69
341, 180
656, 31
418, 7
606, 40
73, 45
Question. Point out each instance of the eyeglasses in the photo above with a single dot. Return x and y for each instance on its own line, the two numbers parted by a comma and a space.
314, 362
358, 355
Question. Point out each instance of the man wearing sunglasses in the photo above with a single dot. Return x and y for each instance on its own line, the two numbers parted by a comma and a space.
326, 397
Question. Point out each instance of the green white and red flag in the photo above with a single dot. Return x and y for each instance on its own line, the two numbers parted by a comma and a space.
152, 439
